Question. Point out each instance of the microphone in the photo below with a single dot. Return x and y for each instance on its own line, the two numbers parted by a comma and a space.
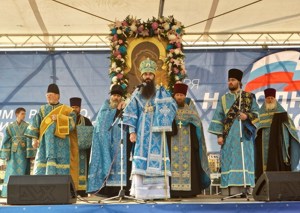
141, 85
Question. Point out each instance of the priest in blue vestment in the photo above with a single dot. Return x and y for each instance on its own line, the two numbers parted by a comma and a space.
277, 145
234, 107
187, 146
148, 116
104, 176
16, 149
49, 131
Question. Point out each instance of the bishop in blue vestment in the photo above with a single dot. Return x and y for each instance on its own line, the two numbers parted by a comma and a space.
148, 116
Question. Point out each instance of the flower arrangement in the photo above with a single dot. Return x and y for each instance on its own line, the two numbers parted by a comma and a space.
165, 28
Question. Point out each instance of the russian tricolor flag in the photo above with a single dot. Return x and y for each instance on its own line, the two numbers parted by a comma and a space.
282, 69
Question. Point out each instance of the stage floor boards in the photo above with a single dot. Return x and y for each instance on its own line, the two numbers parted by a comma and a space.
201, 203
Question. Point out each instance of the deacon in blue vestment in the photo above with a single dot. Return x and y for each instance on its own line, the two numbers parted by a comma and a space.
277, 145
188, 153
226, 125
83, 135
149, 115
49, 130
105, 162
16, 149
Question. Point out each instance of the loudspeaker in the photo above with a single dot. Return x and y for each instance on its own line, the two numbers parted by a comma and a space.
277, 186
40, 189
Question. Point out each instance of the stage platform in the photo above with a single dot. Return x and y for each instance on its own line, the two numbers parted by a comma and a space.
203, 203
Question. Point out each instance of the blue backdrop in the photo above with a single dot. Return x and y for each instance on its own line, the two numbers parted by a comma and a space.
24, 77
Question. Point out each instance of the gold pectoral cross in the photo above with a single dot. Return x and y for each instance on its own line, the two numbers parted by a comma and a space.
148, 108
180, 123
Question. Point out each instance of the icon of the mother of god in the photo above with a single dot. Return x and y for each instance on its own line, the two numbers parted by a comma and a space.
140, 50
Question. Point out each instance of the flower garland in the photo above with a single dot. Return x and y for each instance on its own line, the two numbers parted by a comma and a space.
164, 28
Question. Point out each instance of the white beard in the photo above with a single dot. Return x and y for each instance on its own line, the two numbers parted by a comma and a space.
113, 104
271, 106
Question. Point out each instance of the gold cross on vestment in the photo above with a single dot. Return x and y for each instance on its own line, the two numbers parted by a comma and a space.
180, 123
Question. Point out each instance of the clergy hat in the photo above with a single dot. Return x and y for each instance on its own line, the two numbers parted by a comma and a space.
148, 65
75, 101
117, 89
53, 88
180, 88
270, 92
235, 73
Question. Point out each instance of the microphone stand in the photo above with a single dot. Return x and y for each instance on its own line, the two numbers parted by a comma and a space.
244, 193
121, 194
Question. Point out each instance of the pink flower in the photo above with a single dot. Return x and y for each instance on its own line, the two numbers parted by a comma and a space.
178, 45
124, 23
115, 37
154, 25
120, 41
141, 28
120, 76
119, 56
116, 53
171, 50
